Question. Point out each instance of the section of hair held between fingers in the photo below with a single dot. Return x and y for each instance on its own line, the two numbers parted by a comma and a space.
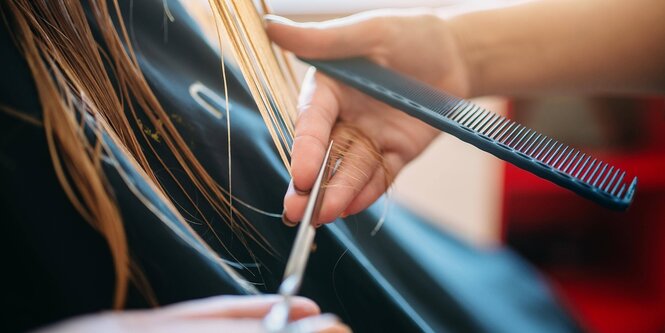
357, 160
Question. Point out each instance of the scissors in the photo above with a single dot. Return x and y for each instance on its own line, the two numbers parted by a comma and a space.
277, 320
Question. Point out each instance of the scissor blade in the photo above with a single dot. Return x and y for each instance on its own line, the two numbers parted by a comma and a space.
277, 319
297, 262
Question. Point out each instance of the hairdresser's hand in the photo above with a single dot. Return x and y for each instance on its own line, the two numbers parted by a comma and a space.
417, 44
238, 314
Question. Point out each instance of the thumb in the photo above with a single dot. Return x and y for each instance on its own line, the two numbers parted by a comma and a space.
353, 36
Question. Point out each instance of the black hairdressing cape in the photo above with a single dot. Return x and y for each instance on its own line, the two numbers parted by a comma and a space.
409, 277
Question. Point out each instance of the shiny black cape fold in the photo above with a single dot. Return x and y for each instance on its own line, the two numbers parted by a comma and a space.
409, 277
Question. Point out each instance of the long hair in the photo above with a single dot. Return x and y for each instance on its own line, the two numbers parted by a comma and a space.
80, 78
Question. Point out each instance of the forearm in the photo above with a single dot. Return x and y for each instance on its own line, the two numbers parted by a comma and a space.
564, 46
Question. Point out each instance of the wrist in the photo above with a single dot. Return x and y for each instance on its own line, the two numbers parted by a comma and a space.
470, 56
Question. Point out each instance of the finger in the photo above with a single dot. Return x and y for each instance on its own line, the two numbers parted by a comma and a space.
378, 185
239, 307
318, 111
294, 206
357, 167
338, 328
356, 35
318, 108
325, 323
203, 325
231, 325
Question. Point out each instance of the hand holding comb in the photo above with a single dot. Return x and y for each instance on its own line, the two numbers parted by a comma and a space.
545, 157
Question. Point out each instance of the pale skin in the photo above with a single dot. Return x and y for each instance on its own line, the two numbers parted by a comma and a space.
238, 314
550, 46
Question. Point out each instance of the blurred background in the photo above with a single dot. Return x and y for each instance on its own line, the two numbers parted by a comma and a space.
608, 267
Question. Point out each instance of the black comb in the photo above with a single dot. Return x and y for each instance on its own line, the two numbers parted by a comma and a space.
543, 156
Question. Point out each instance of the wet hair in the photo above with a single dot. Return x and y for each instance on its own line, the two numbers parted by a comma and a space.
80, 78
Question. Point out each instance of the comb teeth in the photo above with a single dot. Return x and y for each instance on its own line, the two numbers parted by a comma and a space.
508, 140
513, 137
479, 120
489, 124
538, 147
527, 135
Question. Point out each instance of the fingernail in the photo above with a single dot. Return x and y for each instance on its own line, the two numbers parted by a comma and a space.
272, 18
286, 220
293, 188
290, 189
